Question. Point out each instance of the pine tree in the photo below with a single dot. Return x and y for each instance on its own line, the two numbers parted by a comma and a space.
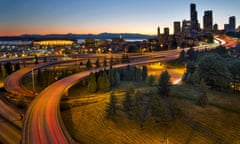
103, 82
203, 99
105, 62
116, 77
36, 59
181, 57
144, 73
97, 63
111, 109
150, 80
3, 72
8, 67
139, 109
92, 84
128, 104
164, 84
17, 66
39, 77
111, 77
138, 75
88, 64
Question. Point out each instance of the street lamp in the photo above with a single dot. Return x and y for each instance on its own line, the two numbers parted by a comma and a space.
33, 85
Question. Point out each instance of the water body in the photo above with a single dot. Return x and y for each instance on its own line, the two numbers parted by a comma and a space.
127, 40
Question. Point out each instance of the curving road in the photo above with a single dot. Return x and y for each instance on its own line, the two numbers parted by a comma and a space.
43, 123
13, 83
10, 123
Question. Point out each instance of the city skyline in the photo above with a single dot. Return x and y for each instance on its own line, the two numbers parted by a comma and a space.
83, 17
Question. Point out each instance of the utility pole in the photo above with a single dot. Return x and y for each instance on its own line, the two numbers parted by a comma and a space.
33, 85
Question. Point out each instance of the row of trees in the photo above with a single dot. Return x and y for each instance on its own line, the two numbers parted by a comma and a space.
105, 80
112, 61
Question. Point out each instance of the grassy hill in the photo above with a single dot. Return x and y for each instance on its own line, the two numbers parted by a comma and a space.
216, 123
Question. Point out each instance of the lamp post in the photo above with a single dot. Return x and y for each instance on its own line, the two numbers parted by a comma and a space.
33, 85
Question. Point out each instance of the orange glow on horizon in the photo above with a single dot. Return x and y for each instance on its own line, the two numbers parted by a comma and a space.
55, 30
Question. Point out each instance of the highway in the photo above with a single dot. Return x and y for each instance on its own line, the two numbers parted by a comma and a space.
13, 83
10, 123
43, 123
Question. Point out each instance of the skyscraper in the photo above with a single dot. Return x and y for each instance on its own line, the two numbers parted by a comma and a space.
193, 16
177, 27
215, 27
158, 33
186, 28
232, 23
208, 21
166, 31
231, 26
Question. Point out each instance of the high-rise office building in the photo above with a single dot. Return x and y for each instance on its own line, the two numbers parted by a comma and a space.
193, 16
231, 27
177, 27
208, 21
186, 28
166, 31
158, 32
215, 27
232, 23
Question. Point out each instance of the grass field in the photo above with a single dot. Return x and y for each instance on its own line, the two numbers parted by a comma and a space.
215, 124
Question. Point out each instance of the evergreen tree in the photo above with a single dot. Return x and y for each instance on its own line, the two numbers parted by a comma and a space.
111, 109
191, 54
139, 108
88, 64
39, 77
190, 67
105, 62
36, 59
138, 75
17, 66
111, 77
3, 72
103, 83
150, 80
128, 104
156, 103
164, 84
92, 84
111, 61
130, 88
203, 99
97, 63
8, 67
144, 73
116, 77
181, 57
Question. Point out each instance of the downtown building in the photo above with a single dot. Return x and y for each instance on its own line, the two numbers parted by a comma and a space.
208, 21
231, 26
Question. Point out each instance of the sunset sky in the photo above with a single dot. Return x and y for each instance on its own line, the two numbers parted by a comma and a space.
96, 16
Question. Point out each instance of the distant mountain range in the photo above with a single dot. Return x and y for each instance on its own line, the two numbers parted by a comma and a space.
79, 36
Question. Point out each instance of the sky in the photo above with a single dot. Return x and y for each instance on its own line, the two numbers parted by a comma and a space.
114, 16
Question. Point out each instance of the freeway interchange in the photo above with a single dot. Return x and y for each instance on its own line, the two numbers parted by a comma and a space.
42, 121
